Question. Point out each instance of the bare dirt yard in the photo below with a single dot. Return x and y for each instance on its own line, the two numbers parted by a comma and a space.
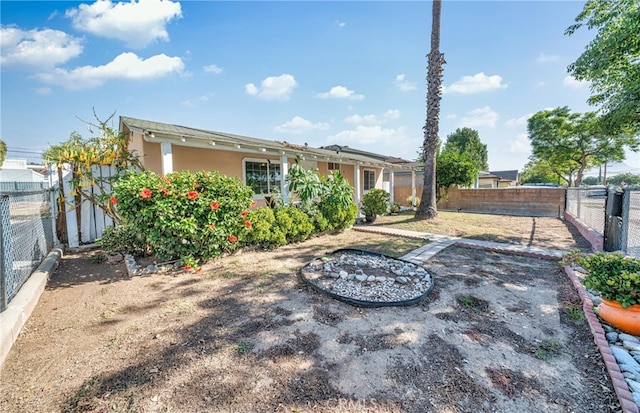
498, 333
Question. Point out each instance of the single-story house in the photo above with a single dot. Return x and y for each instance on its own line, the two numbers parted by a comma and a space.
498, 179
259, 163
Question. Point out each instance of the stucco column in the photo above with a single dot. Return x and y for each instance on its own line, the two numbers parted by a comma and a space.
413, 188
391, 185
167, 158
284, 171
356, 180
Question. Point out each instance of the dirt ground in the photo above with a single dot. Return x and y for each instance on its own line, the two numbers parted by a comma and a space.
499, 333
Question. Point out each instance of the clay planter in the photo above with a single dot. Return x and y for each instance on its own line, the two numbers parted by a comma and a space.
625, 319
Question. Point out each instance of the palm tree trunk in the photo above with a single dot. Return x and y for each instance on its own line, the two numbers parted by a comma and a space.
427, 208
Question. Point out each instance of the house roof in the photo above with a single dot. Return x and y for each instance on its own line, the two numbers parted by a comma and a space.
347, 149
185, 136
511, 175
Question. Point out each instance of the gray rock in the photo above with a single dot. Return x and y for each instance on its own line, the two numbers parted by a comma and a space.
343, 272
371, 278
636, 398
626, 368
633, 385
606, 327
402, 280
623, 356
351, 277
361, 277
334, 275
612, 336
630, 345
344, 275
629, 337
381, 278
359, 271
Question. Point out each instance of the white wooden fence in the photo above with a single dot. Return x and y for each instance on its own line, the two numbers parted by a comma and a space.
83, 223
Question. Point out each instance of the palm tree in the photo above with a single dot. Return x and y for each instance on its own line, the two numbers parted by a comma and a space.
427, 208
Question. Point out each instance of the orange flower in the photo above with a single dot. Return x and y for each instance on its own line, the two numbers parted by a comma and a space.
233, 238
187, 267
192, 195
247, 224
145, 193
244, 213
212, 227
215, 205
113, 200
199, 270
254, 203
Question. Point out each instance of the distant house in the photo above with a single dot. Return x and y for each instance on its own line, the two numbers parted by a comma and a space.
14, 172
259, 163
498, 179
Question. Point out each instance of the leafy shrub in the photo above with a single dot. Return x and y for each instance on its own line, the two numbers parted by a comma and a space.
265, 232
375, 202
192, 216
612, 275
294, 223
320, 223
123, 239
338, 216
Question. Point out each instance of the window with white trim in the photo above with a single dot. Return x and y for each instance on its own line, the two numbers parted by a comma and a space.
333, 166
369, 179
262, 175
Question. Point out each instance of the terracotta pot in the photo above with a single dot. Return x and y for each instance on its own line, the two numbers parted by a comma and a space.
625, 319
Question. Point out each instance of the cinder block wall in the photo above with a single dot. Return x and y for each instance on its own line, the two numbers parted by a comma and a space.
528, 201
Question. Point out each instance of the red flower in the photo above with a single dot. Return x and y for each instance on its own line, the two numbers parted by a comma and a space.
253, 204
145, 193
113, 200
212, 227
247, 224
244, 213
215, 205
233, 238
192, 195
187, 267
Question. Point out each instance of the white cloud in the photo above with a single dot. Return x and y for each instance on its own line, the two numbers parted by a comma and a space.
475, 84
137, 23
520, 144
340, 24
212, 69
273, 88
43, 91
545, 58
125, 66
573, 83
522, 120
389, 115
403, 85
479, 117
195, 102
340, 92
368, 135
299, 125
37, 48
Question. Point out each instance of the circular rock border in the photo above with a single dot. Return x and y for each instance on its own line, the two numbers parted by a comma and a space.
394, 277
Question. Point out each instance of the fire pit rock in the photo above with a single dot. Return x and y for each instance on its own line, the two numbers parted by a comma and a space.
367, 279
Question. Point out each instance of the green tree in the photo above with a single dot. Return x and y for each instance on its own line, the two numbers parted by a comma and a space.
454, 168
428, 208
467, 141
611, 60
3, 151
574, 142
591, 180
539, 172
628, 178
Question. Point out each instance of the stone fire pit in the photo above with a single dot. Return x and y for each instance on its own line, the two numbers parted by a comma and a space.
366, 279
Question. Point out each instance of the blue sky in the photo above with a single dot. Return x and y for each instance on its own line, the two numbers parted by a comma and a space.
349, 73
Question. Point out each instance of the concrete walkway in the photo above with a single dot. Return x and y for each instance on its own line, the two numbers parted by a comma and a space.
439, 242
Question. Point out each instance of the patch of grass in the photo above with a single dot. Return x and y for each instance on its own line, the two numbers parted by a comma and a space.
576, 315
262, 285
547, 350
243, 347
98, 258
467, 225
472, 303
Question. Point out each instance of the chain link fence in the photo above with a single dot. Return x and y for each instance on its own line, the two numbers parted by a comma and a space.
26, 235
613, 213
588, 205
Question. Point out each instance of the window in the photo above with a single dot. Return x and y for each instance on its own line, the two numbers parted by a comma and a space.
333, 166
262, 175
369, 179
